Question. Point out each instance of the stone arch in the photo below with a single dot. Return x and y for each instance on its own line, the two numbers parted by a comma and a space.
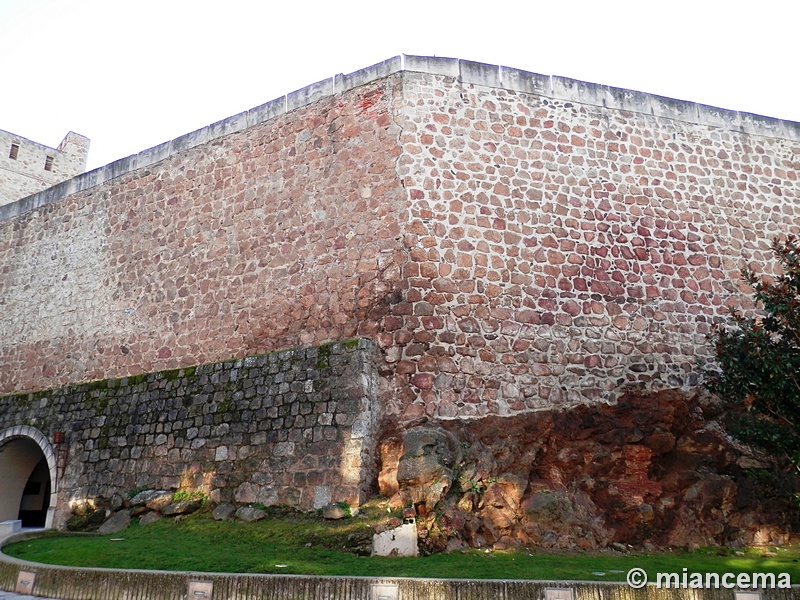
24, 448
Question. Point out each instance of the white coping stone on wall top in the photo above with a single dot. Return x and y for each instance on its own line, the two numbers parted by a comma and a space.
717, 117
185, 142
479, 73
265, 112
625, 100
525, 81
309, 94
126, 165
432, 64
769, 126
230, 125
673, 109
153, 155
345, 82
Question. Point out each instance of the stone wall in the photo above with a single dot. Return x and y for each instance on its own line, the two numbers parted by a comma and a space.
567, 240
295, 427
281, 235
511, 241
32, 167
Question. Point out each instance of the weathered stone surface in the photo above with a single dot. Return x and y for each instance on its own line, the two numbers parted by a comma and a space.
333, 512
391, 523
248, 514
327, 268
145, 496
425, 470
567, 248
298, 428
159, 501
138, 511
223, 512
184, 507
507, 252
116, 502
655, 471
23, 174
150, 517
118, 521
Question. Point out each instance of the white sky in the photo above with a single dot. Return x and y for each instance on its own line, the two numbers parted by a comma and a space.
131, 75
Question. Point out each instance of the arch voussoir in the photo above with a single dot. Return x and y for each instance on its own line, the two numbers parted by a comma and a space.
39, 438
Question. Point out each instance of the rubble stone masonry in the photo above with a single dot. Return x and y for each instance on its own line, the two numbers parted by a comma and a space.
511, 242
295, 427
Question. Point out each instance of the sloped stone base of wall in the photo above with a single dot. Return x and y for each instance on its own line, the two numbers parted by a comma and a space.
295, 427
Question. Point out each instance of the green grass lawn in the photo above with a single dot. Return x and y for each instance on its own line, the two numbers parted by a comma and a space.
307, 545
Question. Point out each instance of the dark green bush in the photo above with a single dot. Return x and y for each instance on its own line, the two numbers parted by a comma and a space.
759, 359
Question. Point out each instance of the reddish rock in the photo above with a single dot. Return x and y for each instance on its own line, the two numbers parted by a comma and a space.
423, 381
651, 470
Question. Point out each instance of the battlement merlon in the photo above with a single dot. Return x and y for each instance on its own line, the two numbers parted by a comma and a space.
76, 145
464, 71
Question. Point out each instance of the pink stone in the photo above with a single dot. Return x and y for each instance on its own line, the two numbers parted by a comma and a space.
572, 308
423, 381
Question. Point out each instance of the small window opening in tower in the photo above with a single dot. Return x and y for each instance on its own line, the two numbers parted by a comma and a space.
48, 163
14, 151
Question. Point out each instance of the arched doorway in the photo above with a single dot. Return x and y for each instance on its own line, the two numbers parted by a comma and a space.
27, 477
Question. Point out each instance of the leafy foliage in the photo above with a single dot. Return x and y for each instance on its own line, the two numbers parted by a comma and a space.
185, 495
759, 358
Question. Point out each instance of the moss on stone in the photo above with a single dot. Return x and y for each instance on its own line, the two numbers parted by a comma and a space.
25, 401
324, 355
100, 384
136, 379
171, 374
174, 374
102, 403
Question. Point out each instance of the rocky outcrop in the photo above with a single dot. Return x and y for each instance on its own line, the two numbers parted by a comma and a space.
109, 515
248, 514
150, 517
425, 471
223, 512
118, 521
651, 471
334, 512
